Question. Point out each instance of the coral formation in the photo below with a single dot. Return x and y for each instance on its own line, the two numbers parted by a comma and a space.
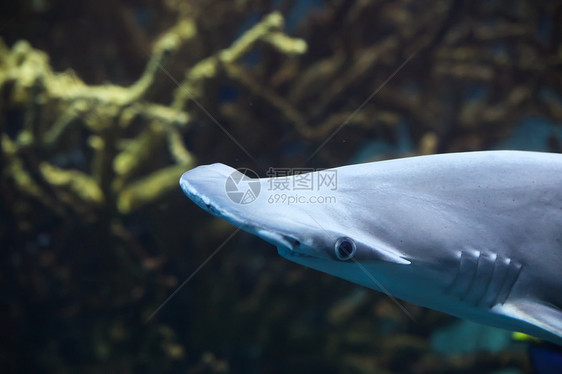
59, 106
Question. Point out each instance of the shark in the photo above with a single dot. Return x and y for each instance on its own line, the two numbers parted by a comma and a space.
477, 235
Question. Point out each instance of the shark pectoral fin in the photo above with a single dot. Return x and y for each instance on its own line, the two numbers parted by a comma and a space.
547, 319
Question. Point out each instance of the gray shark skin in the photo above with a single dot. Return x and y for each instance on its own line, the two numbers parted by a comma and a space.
477, 235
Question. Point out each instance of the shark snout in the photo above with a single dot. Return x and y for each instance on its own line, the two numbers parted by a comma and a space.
286, 227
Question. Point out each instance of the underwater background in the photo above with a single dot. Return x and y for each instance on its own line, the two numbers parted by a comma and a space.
104, 104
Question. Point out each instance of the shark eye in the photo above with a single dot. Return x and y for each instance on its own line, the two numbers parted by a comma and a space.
344, 248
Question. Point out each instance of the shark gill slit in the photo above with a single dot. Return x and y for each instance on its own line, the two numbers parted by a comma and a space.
481, 282
464, 277
511, 277
461, 268
473, 275
501, 267
490, 282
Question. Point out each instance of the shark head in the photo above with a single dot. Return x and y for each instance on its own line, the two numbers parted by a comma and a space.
311, 228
